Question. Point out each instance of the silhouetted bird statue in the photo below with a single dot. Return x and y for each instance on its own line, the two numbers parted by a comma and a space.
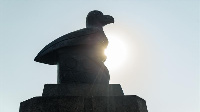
79, 54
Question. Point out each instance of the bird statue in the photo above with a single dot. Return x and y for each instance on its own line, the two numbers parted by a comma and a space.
79, 54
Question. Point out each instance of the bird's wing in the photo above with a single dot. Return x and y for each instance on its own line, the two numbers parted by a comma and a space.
48, 54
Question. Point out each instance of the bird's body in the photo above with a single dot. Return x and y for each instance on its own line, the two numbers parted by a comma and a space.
86, 36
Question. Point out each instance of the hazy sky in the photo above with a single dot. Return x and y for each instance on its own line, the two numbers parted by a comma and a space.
161, 39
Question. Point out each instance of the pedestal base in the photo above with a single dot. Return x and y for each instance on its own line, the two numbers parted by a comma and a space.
74, 98
84, 104
82, 90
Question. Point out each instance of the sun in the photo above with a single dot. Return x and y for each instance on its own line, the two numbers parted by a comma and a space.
116, 52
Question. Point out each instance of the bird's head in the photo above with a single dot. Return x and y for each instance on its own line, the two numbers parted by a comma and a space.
97, 19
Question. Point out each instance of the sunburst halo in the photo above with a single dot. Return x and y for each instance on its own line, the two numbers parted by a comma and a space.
116, 52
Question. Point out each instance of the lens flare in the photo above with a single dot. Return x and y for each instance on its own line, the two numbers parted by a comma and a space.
116, 53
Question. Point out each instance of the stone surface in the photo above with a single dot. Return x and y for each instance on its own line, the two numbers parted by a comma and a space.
87, 36
82, 90
84, 104
82, 64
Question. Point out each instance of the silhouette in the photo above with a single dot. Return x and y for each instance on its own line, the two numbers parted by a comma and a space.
83, 79
80, 54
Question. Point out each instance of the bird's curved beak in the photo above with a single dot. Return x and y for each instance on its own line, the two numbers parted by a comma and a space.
107, 19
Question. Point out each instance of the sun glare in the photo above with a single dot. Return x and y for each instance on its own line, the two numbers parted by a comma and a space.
115, 52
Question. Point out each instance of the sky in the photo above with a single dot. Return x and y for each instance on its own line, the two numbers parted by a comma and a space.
160, 40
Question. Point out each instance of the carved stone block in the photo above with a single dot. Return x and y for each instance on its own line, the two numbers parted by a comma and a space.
82, 90
84, 104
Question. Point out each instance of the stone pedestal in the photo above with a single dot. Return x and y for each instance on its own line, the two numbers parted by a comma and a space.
83, 98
